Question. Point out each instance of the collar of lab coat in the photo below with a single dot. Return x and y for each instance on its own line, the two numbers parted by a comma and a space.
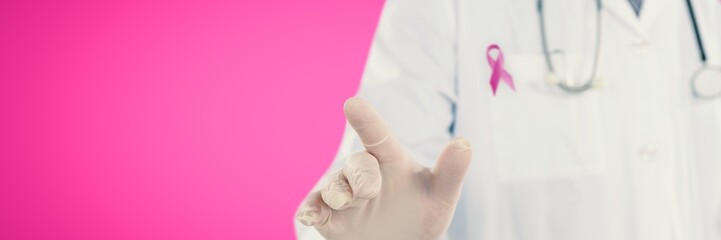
638, 25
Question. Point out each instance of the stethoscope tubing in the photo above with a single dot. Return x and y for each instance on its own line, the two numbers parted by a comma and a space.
702, 55
547, 53
591, 81
697, 33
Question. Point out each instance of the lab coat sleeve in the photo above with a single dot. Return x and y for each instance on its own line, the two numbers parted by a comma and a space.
410, 79
410, 74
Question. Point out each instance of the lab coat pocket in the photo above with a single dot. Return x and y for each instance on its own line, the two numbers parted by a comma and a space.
541, 132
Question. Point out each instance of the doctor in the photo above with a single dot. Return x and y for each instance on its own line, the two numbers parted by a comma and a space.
613, 130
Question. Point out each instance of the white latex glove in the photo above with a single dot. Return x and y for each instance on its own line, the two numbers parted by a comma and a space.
382, 193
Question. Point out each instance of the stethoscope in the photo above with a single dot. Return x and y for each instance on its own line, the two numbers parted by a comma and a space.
705, 69
553, 77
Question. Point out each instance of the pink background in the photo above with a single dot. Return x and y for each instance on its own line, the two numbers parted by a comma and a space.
171, 119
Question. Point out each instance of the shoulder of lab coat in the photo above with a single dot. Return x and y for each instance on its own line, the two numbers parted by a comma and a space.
410, 79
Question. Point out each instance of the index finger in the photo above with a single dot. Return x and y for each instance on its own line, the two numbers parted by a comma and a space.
373, 131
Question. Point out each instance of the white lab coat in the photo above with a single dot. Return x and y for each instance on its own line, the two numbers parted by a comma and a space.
638, 158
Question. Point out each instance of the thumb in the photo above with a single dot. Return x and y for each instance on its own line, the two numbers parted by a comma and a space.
450, 169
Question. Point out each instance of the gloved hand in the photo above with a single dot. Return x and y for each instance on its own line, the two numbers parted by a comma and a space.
382, 193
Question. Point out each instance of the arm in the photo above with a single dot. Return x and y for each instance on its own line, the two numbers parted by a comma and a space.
409, 78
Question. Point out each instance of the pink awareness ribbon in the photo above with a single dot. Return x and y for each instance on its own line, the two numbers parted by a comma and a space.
499, 73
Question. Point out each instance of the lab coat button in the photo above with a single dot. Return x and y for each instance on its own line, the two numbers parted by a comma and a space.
641, 46
647, 153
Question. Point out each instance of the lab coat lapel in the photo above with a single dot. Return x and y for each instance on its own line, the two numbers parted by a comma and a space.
638, 25
622, 12
652, 10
